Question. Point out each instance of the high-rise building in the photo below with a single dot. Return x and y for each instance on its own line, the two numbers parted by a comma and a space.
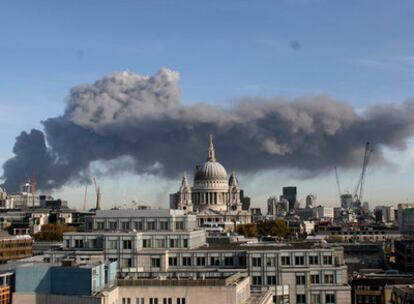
290, 193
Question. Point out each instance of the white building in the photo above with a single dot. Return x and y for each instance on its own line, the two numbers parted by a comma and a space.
387, 213
214, 196
321, 212
151, 241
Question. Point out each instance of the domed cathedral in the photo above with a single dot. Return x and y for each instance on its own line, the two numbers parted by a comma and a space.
213, 193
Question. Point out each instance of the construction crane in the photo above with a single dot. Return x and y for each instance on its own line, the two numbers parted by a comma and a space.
98, 194
337, 183
84, 197
359, 188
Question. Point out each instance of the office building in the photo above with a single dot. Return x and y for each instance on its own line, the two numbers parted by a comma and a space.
290, 194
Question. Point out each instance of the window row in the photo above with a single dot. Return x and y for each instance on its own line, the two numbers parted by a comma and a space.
330, 298
201, 261
298, 260
139, 226
154, 301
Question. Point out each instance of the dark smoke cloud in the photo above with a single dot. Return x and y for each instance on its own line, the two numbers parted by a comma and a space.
141, 119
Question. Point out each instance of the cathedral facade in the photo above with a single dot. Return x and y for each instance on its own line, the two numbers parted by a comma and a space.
213, 193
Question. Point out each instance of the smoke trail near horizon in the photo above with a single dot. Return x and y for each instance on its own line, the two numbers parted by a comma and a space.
137, 124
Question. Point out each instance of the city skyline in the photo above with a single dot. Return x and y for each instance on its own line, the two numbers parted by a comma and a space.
266, 52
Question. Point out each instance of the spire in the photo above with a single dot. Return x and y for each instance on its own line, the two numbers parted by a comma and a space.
184, 182
211, 152
233, 181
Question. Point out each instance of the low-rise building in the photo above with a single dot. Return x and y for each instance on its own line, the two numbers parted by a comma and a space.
15, 247
67, 283
402, 294
188, 288
376, 288
404, 255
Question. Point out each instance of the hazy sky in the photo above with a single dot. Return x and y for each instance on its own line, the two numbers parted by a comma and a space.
361, 52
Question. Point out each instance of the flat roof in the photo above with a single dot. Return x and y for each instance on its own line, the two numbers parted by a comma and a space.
128, 213
264, 246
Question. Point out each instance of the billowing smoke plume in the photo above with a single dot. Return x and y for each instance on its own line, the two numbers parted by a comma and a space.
125, 116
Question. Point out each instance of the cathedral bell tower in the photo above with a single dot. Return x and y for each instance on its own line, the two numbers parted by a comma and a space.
184, 199
234, 203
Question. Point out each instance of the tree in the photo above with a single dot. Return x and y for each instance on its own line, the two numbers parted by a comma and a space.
279, 228
53, 232
248, 230
273, 228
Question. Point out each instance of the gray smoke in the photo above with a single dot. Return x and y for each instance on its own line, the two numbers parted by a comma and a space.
141, 119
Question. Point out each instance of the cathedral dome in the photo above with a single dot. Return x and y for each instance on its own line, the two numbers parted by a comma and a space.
211, 170
211, 174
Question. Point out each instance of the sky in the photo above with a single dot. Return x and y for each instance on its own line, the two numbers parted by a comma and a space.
360, 52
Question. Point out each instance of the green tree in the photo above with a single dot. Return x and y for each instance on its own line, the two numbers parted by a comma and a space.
248, 230
53, 232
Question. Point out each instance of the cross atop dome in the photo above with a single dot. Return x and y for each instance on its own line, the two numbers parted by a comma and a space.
211, 151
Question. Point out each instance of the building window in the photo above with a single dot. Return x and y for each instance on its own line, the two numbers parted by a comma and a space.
330, 298
167, 301
164, 225
270, 262
138, 226
285, 260
327, 260
300, 279
299, 260
151, 225
186, 261
140, 301
242, 261
156, 262
112, 225
153, 300
126, 244
313, 260
112, 244
228, 261
180, 300
126, 300
185, 243
201, 261
315, 298
328, 278
300, 299
179, 225
78, 243
100, 225
146, 243
125, 225
271, 280
257, 262
257, 280
214, 261
172, 261
315, 279
173, 243
127, 262
159, 243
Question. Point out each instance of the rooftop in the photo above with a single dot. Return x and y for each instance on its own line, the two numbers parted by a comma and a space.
171, 279
267, 246
128, 213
